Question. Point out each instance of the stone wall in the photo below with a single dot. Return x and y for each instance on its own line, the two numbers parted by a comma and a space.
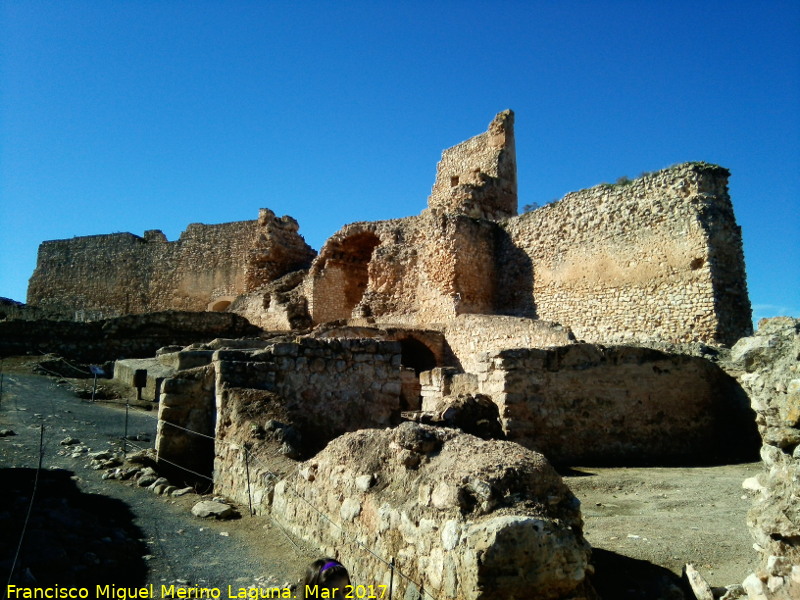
768, 366
318, 388
587, 404
132, 336
462, 517
479, 177
122, 273
473, 337
656, 258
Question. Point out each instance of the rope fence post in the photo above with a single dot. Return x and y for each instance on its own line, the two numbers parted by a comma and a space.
391, 577
247, 471
125, 437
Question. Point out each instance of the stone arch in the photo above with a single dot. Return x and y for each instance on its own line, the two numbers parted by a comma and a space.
342, 276
220, 304
416, 355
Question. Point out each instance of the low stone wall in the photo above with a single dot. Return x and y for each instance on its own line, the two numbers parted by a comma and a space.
133, 336
769, 369
472, 337
588, 404
292, 398
465, 518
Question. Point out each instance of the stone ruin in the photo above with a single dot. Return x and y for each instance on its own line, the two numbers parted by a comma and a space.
592, 330
658, 258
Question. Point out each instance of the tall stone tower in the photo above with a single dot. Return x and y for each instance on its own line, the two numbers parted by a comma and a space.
478, 177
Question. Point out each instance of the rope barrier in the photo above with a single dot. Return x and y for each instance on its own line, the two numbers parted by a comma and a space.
390, 563
347, 537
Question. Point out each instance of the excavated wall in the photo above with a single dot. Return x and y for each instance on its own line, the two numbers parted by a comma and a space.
588, 404
464, 518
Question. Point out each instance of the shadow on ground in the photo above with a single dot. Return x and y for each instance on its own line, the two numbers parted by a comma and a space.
72, 539
623, 578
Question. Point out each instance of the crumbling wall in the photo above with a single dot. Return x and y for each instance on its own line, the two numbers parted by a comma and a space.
473, 337
122, 273
655, 258
478, 177
464, 518
424, 269
768, 366
587, 404
319, 388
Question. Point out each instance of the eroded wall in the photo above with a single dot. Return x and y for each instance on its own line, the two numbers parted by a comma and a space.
117, 274
588, 404
657, 258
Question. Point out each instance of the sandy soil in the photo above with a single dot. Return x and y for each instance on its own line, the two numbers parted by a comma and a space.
644, 523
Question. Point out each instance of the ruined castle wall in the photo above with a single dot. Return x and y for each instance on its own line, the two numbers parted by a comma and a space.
424, 269
126, 274
321, 388
479, 176
99, 272
587, 404
657, 258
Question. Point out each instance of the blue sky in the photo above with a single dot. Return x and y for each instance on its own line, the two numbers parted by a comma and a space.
136, 115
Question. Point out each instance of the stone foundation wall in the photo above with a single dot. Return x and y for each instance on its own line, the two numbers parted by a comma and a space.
656, 258
319, 388
586, 404
464, 518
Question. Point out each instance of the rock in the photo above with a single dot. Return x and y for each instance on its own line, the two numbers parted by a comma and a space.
208, 508
70, 441
183, 491
485, 519
7, 432
700, 587
767, 366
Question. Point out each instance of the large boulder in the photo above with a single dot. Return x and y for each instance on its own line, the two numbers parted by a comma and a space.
463, 517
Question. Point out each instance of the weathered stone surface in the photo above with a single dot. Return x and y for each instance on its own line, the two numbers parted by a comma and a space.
590, 404
768, 365
466, 517
105, 276
208, 508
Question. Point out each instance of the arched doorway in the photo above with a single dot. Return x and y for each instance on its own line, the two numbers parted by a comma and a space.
342, 276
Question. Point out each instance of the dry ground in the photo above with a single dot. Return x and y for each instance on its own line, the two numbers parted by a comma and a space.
644, 523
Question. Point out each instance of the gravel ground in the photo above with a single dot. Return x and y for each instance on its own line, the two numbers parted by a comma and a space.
644, 523
175, 545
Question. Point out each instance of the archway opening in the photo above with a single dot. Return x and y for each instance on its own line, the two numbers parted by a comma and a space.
219, 305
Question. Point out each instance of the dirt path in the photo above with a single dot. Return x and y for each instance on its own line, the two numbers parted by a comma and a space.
644, 524
174, 545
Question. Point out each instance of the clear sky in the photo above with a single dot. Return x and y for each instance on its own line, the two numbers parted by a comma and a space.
135, 115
